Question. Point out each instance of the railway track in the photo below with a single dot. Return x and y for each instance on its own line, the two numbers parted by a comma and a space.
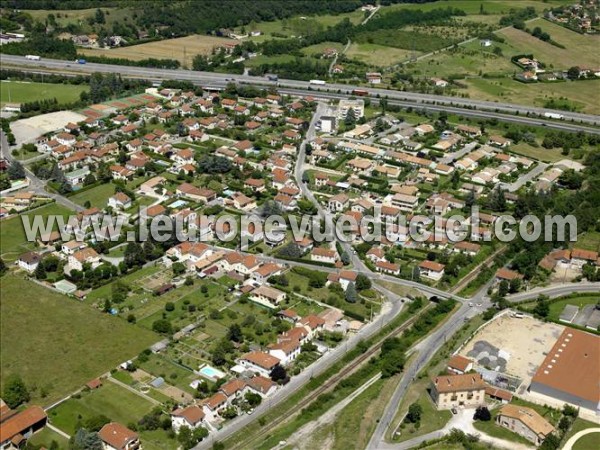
331, 382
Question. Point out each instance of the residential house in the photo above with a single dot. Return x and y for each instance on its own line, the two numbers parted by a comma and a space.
452, 391
80, 257
526, 422
267, 296
29, 261
191, 417
431, 269
259, 362
120, 201
115, 436
324, 255
459, 365
338, 203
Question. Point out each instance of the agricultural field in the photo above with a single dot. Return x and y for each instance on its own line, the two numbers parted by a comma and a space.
24, 92
318, 49
492, 7
590, 240
13, 241
378, 55
583, 96
580, 50
182, 49
80, 16
69, 342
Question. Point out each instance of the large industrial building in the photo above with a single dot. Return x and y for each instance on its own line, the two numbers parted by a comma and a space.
570, 372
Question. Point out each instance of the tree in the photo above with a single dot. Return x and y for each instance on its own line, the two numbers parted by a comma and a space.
85, 440
278, 374
40, 271
483, 414
95, 423
574, 73
542, 309
16, 171
552, 442
515, 285
162, 326
564, 424
2, 267
414, 413
15, 392
503, 288
351, 294
234, 333
253, 399
345, 258
363, 282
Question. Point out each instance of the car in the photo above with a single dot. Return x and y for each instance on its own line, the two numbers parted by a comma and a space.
454, 411
479, 304
471, 304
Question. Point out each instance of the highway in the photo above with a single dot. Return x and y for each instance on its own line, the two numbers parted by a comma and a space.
220, 79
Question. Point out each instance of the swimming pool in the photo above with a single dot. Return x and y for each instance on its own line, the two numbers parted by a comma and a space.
178, 204
211, 372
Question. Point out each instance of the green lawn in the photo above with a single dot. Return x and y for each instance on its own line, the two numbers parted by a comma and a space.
160, 366
111, 400
24, 92
432, 419
45, 438
97, 196
587, 442
590, 240
557, 307
57, 344
579, 425
13, 241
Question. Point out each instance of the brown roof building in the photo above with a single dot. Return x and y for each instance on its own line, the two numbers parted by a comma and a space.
15, 429
118, 437
526, 422
571, 370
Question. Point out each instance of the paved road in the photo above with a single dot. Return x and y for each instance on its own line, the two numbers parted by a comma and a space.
557, 290
36, 185
322, 364
529, 176
211, 77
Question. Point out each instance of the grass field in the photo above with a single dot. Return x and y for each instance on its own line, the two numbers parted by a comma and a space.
377, 55
587, 442
188, 46
490, 6
431, 419
13, 241
111, 400
540, 153
24, 92
318, 49
590, 240
581, 50
579, 425
45, 438
97, 196
80, 16
57, 344
584, 94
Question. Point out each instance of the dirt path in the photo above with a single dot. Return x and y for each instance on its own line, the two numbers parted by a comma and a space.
302, 437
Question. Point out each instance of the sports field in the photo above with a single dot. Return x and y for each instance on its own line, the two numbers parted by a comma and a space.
23, 92
182, 49
57, 344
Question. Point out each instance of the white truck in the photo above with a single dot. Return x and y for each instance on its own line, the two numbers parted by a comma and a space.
33, 57
317, 82
551, 115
